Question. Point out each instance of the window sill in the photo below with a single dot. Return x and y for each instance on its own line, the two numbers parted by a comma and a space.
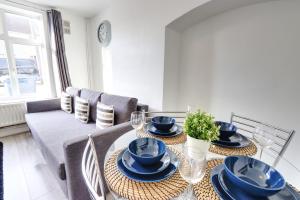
21, 100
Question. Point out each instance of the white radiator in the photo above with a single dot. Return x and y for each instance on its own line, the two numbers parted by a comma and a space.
12, 114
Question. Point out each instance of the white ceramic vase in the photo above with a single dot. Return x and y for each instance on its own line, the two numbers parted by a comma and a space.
197, 148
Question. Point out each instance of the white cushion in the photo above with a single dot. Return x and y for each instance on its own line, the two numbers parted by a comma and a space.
82, 109
66, 102
105, 115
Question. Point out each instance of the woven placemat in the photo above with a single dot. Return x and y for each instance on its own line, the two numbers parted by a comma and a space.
204, 189
179, 139
133, 190
249, 150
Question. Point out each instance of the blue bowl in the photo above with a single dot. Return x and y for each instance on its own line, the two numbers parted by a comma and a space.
226, 129
163, 123
147, 151
253, 176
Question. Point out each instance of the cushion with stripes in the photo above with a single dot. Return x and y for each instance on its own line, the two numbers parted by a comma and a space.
66, 102
82, 109
105, 115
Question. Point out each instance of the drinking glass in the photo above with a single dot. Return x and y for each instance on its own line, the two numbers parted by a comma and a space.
189, 109
263, 139
192, 169
137, 120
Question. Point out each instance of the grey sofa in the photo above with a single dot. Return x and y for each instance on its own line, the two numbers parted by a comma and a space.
62, 138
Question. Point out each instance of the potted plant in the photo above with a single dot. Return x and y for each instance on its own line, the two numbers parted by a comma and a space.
201, 130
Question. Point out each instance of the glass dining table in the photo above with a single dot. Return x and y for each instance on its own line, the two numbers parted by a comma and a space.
290, 172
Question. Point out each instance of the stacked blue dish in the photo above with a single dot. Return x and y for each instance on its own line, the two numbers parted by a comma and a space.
163, 126
147, 160
242, 177
229, 136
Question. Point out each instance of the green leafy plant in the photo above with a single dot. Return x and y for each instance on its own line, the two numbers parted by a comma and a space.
201, 125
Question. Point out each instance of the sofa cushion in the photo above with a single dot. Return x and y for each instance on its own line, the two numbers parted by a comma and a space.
105, 116
66, 102
74, 92
123, 106
93, 97
51, 138
82, 109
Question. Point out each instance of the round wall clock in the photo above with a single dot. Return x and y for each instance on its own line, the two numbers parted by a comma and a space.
104, 33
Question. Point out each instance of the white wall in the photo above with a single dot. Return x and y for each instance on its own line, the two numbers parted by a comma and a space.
247, 61
94, 54
171, 69
76, 49
134, 62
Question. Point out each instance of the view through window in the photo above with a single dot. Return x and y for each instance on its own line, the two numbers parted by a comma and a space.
23, 56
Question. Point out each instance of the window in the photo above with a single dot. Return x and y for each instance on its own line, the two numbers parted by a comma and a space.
24, 69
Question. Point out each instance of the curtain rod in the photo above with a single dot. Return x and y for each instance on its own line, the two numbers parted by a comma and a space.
32, 6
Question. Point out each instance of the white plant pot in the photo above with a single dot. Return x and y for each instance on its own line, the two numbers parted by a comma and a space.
197, 148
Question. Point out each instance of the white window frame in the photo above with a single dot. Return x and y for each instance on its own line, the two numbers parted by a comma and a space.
9, 41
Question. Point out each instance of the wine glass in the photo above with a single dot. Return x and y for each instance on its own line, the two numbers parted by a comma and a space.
189, 109
137, 120
192, 169
263, 139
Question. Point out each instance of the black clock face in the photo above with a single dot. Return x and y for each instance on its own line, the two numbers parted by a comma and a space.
104, 33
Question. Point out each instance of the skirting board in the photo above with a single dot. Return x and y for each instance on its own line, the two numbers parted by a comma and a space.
12, 130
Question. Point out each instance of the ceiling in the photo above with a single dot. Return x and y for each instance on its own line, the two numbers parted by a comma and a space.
85, 8
209, 9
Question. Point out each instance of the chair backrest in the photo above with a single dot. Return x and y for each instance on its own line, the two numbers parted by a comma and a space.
281, 137
91, 171
178, 115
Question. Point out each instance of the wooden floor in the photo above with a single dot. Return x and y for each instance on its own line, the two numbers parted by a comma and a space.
26, 175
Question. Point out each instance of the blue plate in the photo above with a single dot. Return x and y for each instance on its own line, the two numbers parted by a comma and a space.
153, 129
169, 171
225, 190
137, 168
237, 141
174, 131
215, 183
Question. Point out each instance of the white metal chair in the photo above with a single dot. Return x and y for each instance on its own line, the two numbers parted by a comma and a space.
91, 171
281, 137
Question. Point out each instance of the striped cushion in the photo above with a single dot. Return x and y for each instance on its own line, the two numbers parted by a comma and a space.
66, 102
105, 116
82, 109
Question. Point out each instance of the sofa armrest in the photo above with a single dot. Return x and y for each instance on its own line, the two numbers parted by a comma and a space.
73, 151
141, 107
43, 105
